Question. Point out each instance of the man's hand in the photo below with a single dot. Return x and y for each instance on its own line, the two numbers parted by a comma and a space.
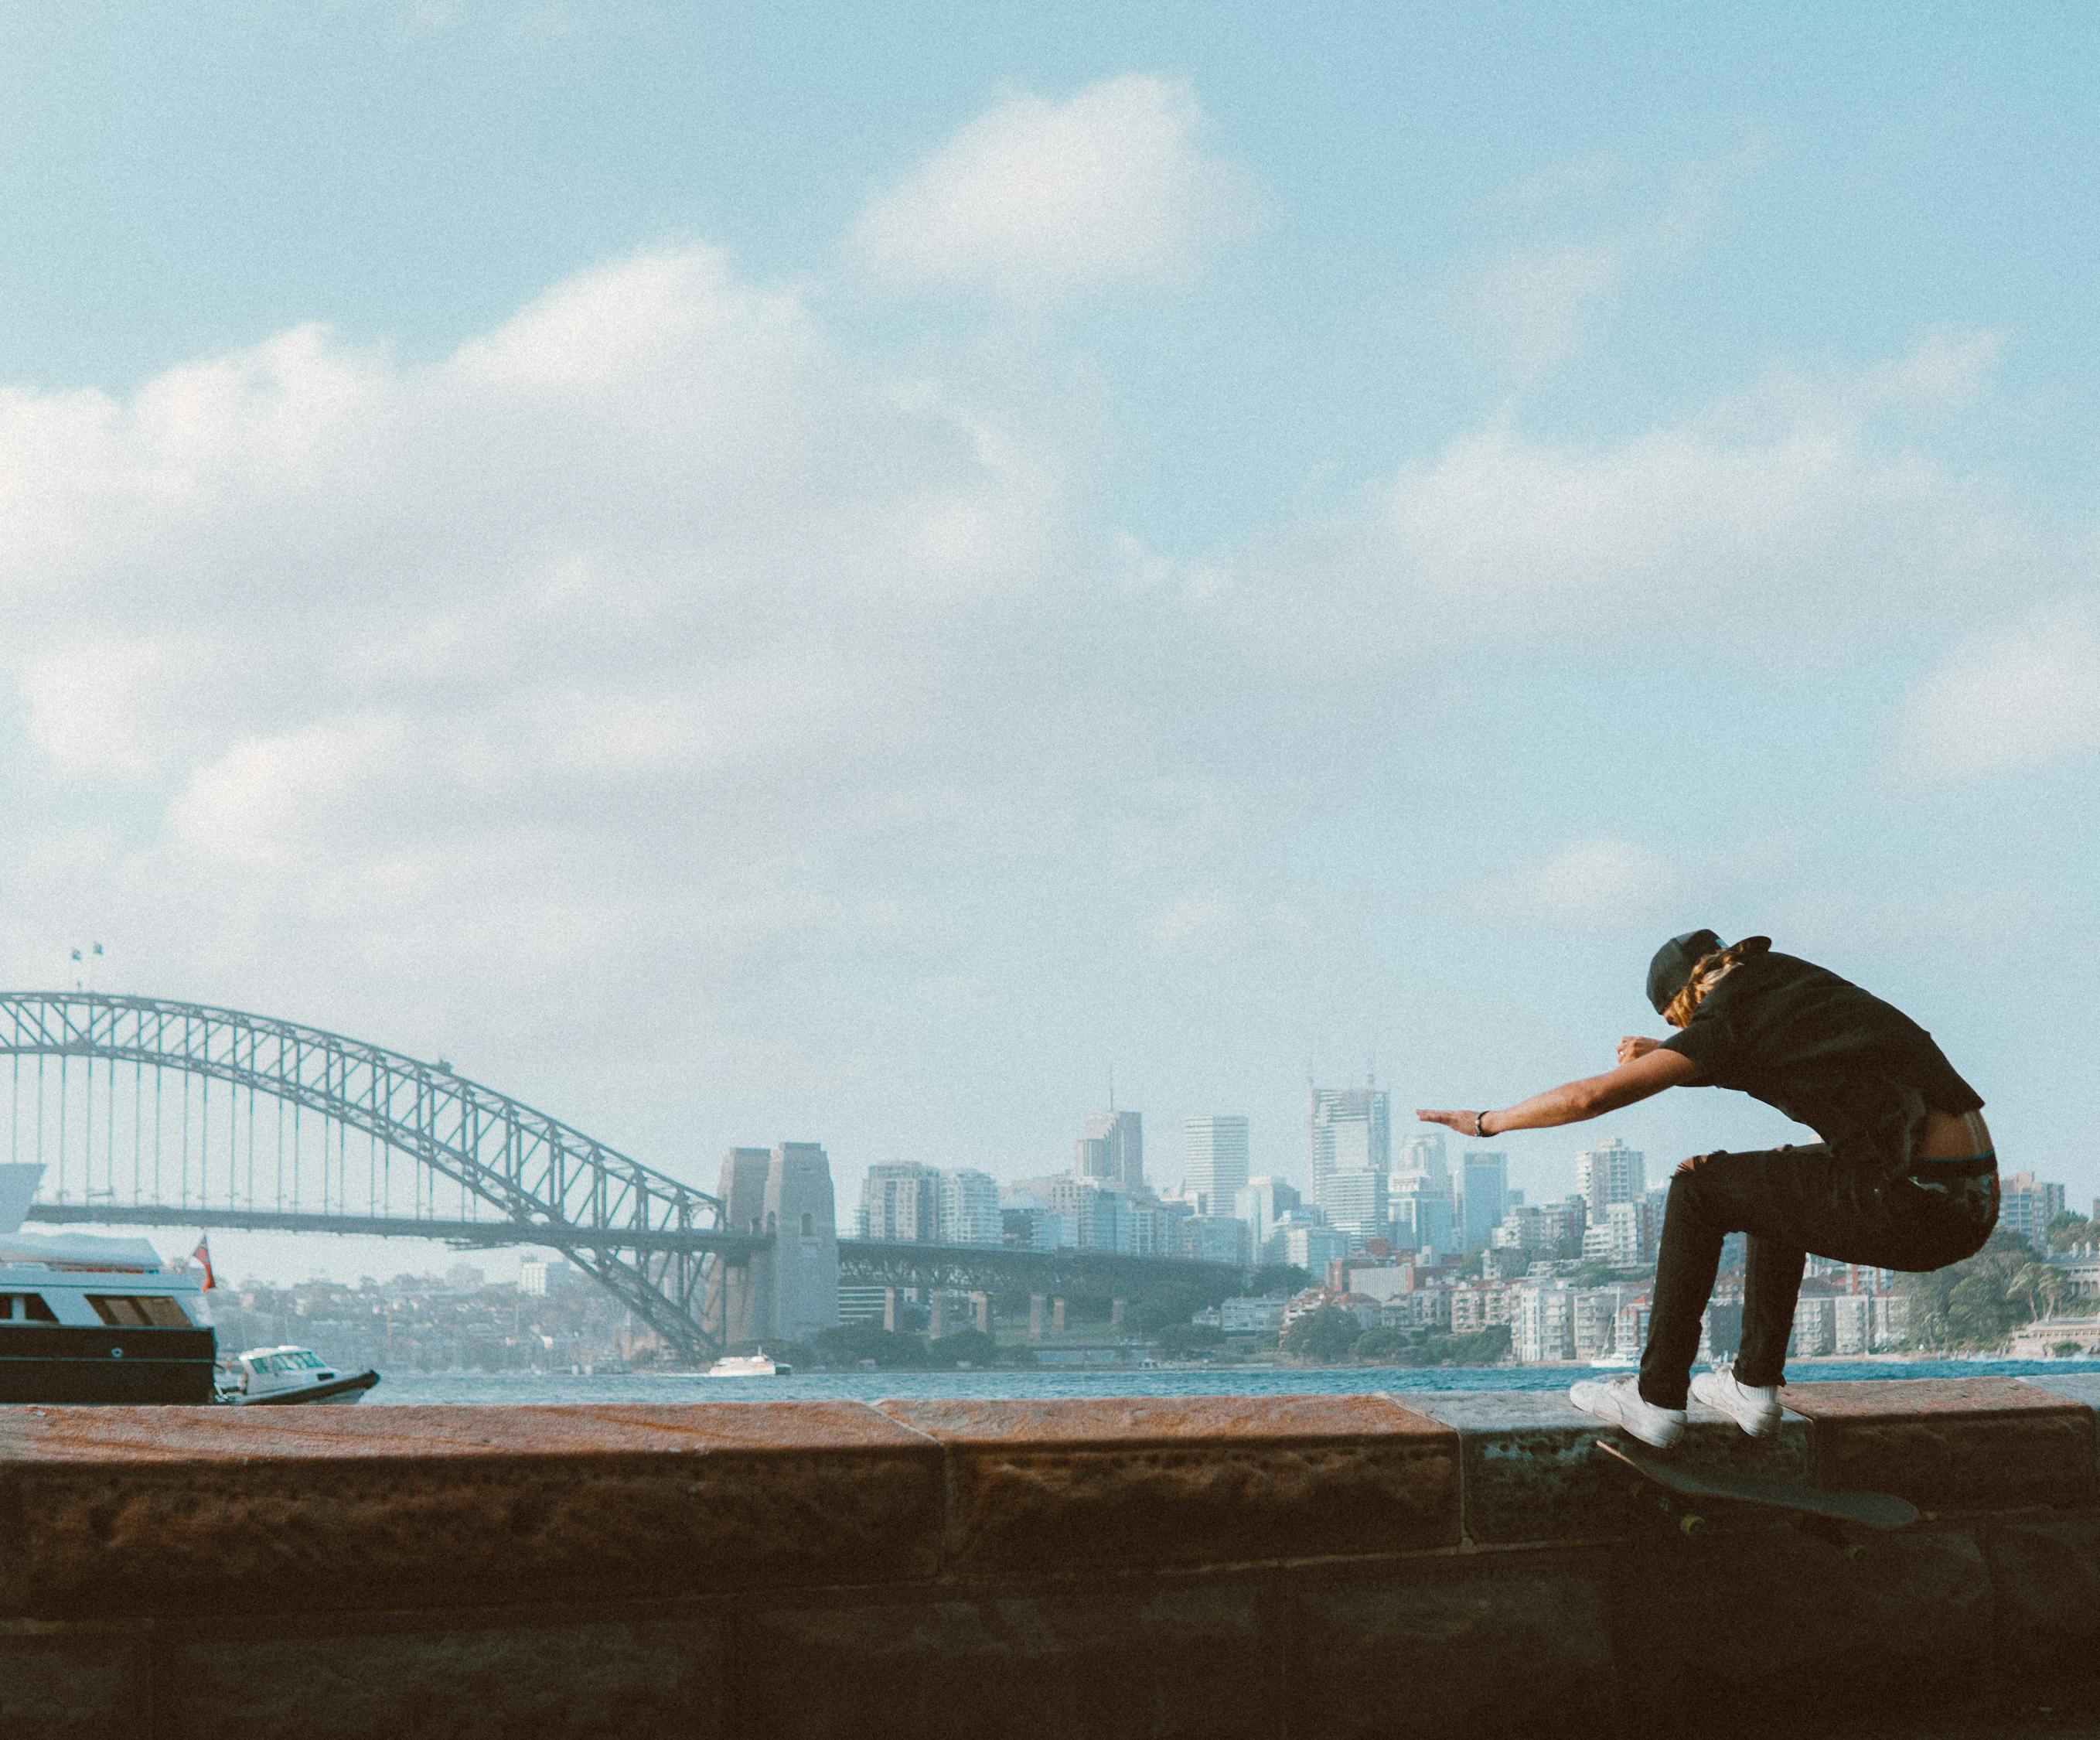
1460, 1121
1633, 1046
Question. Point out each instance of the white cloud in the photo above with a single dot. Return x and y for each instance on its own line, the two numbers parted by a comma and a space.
1793, 522
2020, 698
1539, 303
1037, 198
1588, 882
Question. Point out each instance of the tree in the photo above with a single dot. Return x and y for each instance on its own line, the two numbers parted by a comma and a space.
2068, 1228
1978, 1303
1326, 1335
1273, 1278
1170, 1305
1180, 1341
1379, 1346
963, 1347
851, 1344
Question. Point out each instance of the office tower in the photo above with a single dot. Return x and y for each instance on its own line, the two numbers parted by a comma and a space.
1112, 1149
900, 1199
1357, 1203
1262, 1203
969, 1207
1347, 1129
1610, 1172
1485, 1194
1214, 1162
1422, 1218
1422, 1155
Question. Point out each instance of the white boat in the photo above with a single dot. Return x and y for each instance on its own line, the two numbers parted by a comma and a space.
86, 1319
749, 1365
282, 1376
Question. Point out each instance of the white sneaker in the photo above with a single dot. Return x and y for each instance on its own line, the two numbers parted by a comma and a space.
1754, 1408
1619, 1402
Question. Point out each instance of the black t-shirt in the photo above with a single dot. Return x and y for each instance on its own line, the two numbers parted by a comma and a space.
1822, 1051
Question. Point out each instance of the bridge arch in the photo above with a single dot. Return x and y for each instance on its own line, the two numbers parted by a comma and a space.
522, 1177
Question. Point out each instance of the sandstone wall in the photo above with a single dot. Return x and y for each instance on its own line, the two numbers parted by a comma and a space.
1325, 1566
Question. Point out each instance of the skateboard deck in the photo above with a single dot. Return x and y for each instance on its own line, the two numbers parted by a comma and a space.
1873, 1510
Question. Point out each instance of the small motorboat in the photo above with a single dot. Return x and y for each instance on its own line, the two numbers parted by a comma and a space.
284, 1376
749, 1365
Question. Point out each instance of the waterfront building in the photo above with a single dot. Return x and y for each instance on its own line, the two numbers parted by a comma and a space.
1610, 1172
1213, 1161
1595, 1318
1630, 1327
1814, 1326
1348, 1130
1485, 1195
1112, 1149
2026, 1205
1251, 1316
1428, 1308
1619, 1237
968, 1210
1542, 1320
1479, 1304
1852, 1323
1382, 1281
862, 1305
900, 1199
1543, 1230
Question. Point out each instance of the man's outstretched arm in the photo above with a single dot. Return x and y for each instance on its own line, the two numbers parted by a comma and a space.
1575, 1102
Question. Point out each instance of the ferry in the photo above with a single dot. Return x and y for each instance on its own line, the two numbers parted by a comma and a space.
85, 1318
279, 1376
749, 1365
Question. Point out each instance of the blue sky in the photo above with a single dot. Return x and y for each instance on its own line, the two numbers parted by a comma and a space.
837, 573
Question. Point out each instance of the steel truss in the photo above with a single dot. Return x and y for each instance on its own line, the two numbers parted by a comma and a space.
648, 1238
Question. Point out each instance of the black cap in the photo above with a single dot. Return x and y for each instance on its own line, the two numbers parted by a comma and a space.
1673, 964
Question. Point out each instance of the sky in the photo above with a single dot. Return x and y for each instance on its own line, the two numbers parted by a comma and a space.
843, 574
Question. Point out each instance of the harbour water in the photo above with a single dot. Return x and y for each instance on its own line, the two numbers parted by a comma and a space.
404, 1388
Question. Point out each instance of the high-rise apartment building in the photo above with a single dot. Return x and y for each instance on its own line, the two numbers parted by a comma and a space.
1213, 1161
1422, 1155
968, 1208
900, 1199
1347, 1129
1112, 1149
2026, 1205
1486, 1194
1610, 1172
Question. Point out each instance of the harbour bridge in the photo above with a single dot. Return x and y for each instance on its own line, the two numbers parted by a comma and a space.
146, 1112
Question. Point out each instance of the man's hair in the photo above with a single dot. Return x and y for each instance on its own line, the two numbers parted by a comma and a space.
1707, 972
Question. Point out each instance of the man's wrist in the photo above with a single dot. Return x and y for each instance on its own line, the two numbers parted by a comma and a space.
1480, 1130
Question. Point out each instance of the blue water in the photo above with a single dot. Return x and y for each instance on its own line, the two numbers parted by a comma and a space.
869, 1386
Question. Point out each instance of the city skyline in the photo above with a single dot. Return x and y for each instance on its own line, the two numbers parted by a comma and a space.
837, 590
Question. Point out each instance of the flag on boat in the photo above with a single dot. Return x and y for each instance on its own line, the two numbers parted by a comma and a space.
202, 1256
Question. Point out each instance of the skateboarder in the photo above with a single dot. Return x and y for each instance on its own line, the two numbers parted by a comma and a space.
1905, 1177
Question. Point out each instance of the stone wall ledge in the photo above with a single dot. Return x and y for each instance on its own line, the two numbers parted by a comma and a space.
112, 1511
1220, 1566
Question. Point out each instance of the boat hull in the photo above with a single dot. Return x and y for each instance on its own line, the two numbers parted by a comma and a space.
349, 1389
65, 1364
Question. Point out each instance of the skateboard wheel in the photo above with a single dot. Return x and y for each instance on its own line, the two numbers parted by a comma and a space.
1692, 1525
1854, 1550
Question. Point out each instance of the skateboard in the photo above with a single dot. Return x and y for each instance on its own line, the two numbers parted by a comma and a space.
1873, 1510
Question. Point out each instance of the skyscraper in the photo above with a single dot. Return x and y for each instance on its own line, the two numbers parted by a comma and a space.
1347, 1129
900, 1199
1263, 1202
1610, 1172
1486, 1194
1114, 1142
1213, 1161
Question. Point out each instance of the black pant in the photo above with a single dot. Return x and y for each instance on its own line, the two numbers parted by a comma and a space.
1790, 1201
